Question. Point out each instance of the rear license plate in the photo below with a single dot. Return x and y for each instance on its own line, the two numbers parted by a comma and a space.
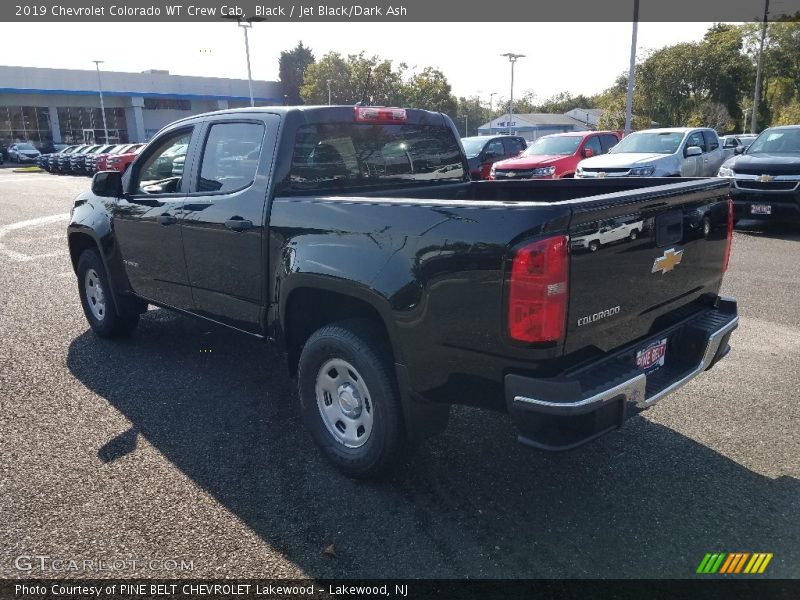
760, 209
652, 356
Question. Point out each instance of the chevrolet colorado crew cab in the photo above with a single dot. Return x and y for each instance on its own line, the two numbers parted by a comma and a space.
675, 152
355, 239
766, 176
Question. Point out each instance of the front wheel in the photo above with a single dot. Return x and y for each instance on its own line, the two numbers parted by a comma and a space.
349, 399
634, 234
594, 246
95, 294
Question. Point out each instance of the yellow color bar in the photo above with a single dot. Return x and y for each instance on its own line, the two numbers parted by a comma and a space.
765, 563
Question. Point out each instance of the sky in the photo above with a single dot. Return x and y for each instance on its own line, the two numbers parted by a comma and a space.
575, 57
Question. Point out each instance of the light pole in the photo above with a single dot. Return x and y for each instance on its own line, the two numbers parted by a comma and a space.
102, 105
246, 24
744, 121
631, 69
512, 58
757, 93
328, 81
466, 125
491, 98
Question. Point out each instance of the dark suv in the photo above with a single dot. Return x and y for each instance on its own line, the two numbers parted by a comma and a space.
484, 150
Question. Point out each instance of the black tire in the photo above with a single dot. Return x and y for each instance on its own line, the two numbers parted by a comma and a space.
108, 323
634, 234
594, 246
354, 342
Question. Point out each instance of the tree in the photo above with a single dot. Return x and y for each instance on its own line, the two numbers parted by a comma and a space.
477, 114
430, 90
357, 78
712, 114
292, 66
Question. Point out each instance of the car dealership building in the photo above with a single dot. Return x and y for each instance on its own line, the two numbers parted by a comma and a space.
51, 106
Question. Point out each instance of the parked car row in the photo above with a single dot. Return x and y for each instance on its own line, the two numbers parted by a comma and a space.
86, 159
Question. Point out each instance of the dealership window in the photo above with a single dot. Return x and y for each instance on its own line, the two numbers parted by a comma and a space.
80, 125
166, 104
25, 124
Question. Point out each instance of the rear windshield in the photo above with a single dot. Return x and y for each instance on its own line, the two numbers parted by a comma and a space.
337, 156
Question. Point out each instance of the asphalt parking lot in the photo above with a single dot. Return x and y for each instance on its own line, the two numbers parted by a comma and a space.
184, 443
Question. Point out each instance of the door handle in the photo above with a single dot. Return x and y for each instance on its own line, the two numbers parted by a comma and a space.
166, 220
238, 224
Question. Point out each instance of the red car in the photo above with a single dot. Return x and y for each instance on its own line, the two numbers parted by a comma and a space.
120, 162
101, 160
555, 156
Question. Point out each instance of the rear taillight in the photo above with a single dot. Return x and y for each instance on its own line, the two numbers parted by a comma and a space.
375, 114
537, 299
729, 240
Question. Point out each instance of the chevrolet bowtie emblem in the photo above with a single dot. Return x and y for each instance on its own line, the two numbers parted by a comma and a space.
668, 261
764, 178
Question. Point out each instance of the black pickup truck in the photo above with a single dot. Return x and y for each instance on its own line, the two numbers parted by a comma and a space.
766, 176
354, 238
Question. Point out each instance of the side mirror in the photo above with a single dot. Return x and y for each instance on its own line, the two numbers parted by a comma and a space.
693, 151
588, 153
740, 149
107, 184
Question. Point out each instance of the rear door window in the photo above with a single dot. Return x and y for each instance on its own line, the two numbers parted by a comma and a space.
230, 157
338, 156
608, 141
514, 146
712, 141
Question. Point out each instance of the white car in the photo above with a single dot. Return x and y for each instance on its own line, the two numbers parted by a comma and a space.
23, 152
672, 152
607, 232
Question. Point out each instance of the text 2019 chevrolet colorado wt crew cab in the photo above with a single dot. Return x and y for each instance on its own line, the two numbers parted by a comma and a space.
354, 238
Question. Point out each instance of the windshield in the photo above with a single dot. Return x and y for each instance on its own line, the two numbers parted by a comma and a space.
333, 156
563, 145
778, 141
25, 147
473, 146
662, 142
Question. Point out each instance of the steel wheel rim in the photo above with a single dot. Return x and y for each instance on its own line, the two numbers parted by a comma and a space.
344, 403
95, 294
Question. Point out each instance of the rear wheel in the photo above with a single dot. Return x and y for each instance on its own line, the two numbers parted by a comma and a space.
594, 245
95, 294
349, 400
634, 234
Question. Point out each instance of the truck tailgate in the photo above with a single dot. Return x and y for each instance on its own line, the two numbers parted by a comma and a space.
642, 259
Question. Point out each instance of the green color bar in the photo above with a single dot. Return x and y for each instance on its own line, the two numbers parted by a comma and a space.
701, 568
718, 564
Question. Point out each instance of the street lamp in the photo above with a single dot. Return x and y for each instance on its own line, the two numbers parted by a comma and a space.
102, 105
328, 81
246, 24
512, 58
466, 125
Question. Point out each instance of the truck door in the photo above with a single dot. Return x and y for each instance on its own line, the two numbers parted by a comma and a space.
714, 156
224, 219
146, 224
692, 165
